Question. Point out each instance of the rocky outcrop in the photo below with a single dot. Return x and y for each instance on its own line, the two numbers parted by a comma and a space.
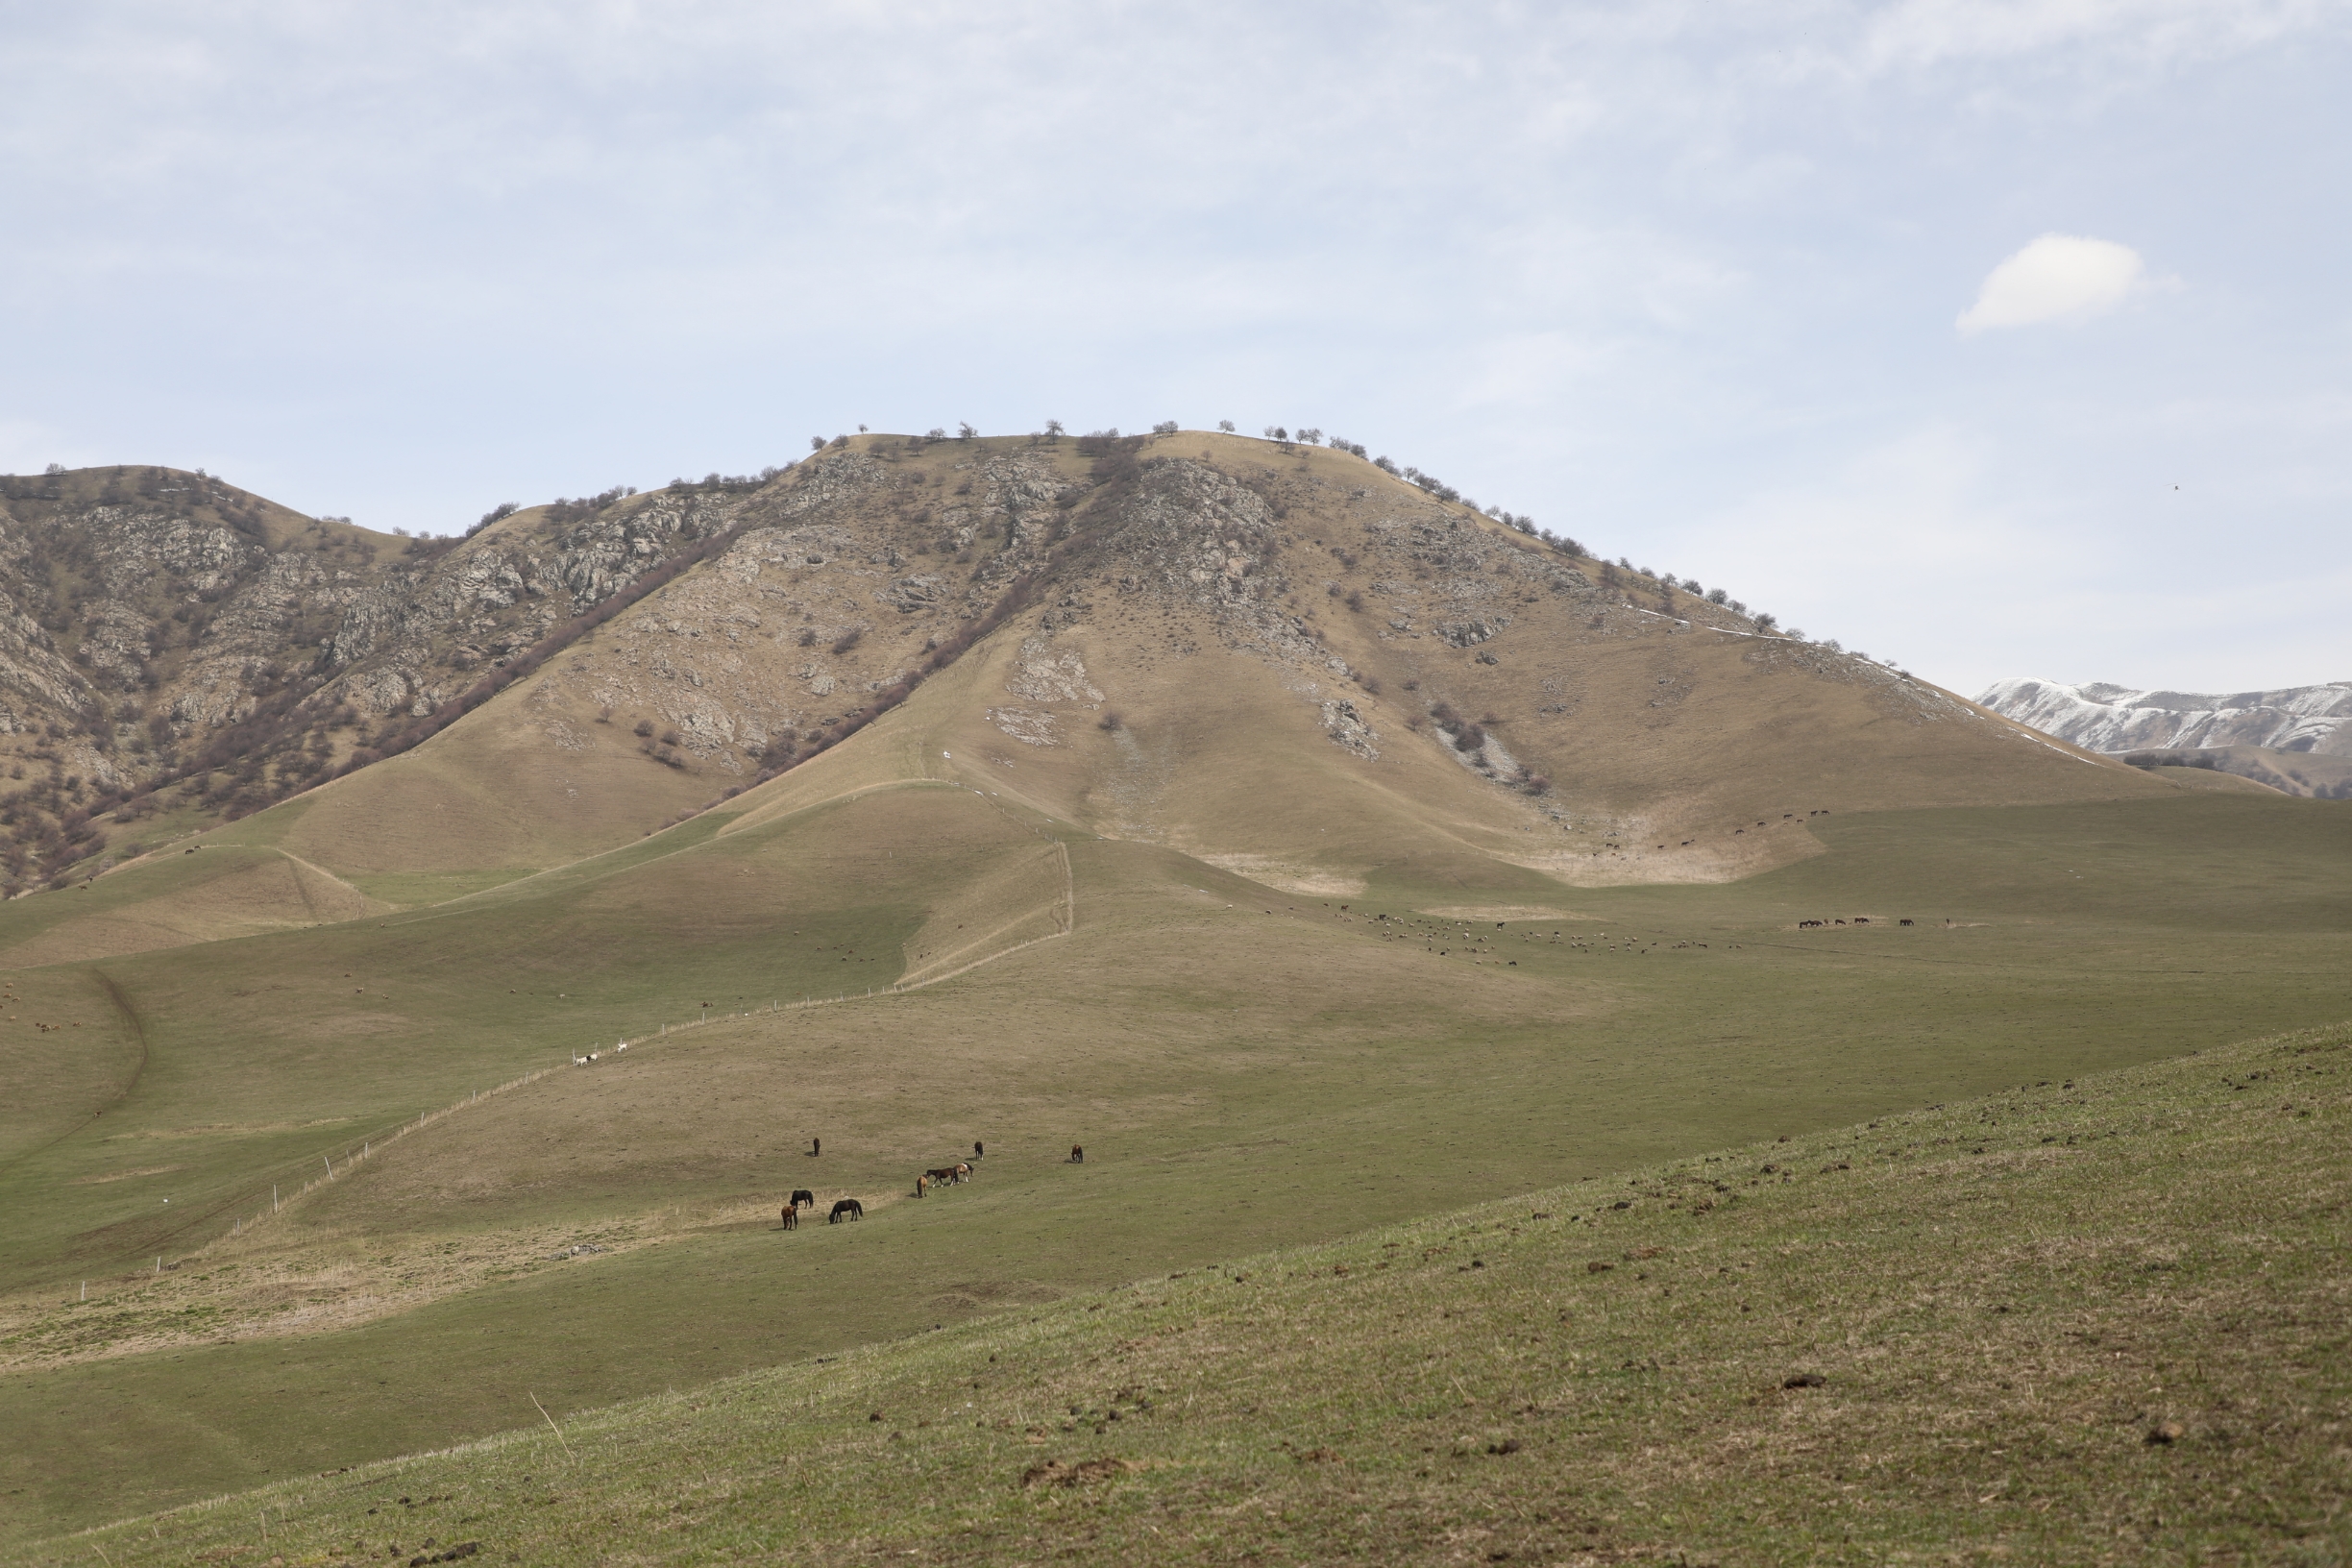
165, 628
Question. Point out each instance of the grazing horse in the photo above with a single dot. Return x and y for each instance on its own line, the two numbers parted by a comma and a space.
922, 1184
977, 1150
802, 1196
791, 1216
850, 1207
963, 1172
1077, 1156
944, 1175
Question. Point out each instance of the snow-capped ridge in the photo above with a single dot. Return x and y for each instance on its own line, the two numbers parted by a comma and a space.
2101, 717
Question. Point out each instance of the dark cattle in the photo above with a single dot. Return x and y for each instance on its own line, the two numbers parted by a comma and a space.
1861, 920
791, 1216
1077, 1155
848, 1208
801, 1197
1902, 922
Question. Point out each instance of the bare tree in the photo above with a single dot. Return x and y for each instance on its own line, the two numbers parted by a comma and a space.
1225, 424
1053, 429
964, 431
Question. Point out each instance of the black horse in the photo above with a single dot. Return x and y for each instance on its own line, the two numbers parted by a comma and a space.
848, 1208
803, 1198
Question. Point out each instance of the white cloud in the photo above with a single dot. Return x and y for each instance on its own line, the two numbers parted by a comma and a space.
2057, 277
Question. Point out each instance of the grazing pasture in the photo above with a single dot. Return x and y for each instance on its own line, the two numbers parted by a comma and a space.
2092, 1320
1248, 1069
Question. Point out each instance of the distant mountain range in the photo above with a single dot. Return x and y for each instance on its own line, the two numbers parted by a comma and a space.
2280, 738
2101, 718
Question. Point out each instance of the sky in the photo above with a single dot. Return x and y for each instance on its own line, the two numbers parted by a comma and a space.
1990, 338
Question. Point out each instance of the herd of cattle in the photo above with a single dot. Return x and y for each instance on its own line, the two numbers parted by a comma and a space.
937, 1176
1858, 920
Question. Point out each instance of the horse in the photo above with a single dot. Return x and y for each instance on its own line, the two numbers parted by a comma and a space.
922, 1184
802, 1196
816, 1147
850, 1207
977, 1150
1077, 1156
948, 1175
791, 1216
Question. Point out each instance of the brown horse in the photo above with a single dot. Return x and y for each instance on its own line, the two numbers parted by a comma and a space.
791, 1216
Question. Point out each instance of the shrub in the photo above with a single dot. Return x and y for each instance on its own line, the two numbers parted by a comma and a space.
643, 729
1108, 720
849, 640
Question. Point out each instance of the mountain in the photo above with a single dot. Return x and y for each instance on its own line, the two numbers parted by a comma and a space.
176, 653
1277, 658
2103, 717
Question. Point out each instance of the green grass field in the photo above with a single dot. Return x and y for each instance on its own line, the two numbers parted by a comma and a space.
1248, 1071
2087, 1320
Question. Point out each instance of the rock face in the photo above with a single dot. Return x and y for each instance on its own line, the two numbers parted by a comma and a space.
2102, 718
162, 627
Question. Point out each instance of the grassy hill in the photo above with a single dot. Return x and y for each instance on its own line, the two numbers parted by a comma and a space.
2313, 773
2089, 1320
1288, 663
1320, 853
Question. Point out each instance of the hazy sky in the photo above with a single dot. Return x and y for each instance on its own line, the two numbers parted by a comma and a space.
1991, 338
